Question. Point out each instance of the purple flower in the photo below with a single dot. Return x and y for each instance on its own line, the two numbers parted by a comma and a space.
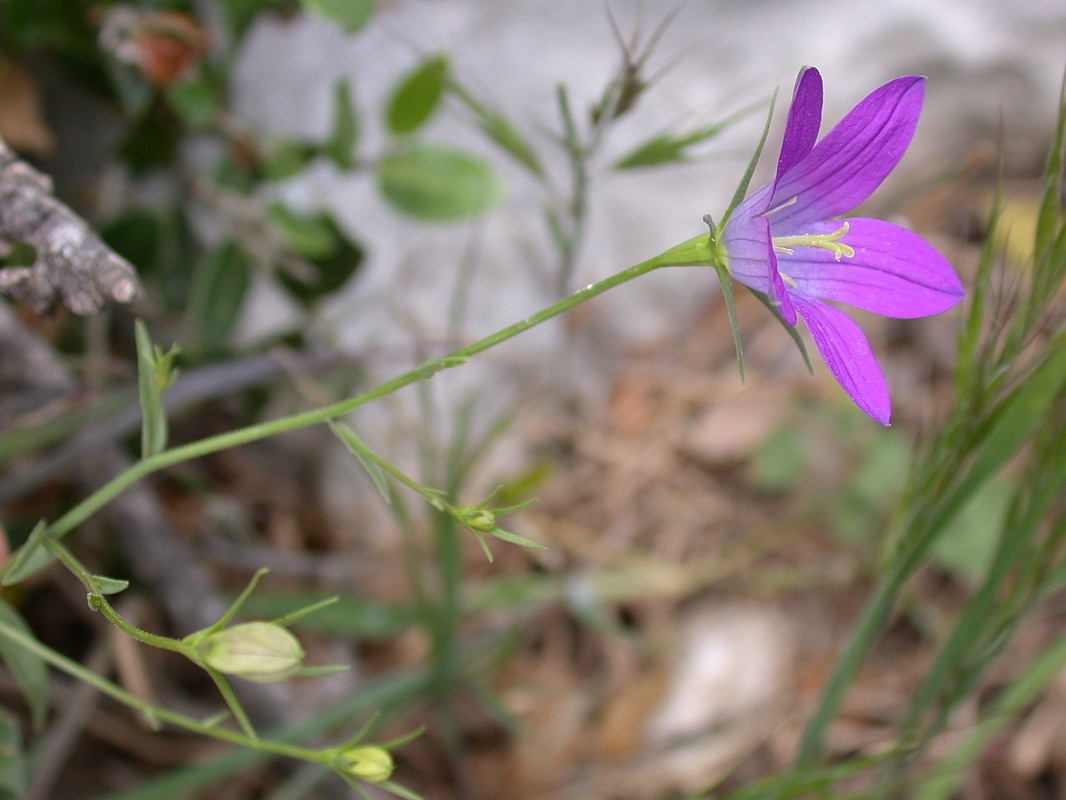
783, 240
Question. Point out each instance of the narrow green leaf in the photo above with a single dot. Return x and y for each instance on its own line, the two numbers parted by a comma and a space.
514, 538
668, 148
349, 616
219, 286
357, 448
1014, 421
417, 96
436, 184
195, 101
27, 669
12, 758
350, 15
153, 417
105, 585
307, 235
284, 158
340, 147
30, 558
400, 791
499, 130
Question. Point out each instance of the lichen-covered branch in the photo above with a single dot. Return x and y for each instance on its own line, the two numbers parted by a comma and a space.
72, 265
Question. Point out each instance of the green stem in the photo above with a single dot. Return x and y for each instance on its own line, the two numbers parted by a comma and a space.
698, 251
131, 700
862, 639
99, 603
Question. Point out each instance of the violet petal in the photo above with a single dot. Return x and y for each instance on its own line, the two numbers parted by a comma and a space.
893, 272
851, 160
847, 354
804, 120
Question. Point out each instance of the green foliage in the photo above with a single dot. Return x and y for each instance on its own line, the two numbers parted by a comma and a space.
216, 297
1010, 398
27, 669
499, 130
155, 372
437, 184
670, 148
417, 96
331, 259
13, 782
340, 147
195, 101
351, 617
355, 446
350, 15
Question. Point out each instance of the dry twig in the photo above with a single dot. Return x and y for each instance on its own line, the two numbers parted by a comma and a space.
72, 264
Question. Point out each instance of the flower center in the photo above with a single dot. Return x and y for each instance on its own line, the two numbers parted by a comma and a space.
823, 241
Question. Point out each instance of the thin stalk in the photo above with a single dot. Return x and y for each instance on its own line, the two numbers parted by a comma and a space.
698, 251
76, 670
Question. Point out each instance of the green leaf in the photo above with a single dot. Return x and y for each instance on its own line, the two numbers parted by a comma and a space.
355, 446
307, 235
667, 148
514, 538
30, 558
350, 616
319, 239
499, 130
286, 158
350, 15
195, 102
966, 547
12, 758
155, 372
104, 585
436, 184
26, 668
219, 286
341, 145
1012, 424
417, 96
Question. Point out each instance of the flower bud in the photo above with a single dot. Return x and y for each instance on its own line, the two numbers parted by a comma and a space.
261, 652
477, 519
373, 764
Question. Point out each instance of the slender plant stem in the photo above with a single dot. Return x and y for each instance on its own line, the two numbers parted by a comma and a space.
698, 251
131, 700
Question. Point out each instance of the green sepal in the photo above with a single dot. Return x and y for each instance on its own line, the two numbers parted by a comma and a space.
742, 188
727, 295
790, 329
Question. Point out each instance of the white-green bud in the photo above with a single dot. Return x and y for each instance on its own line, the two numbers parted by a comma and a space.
373, 764
261, 652
478, 519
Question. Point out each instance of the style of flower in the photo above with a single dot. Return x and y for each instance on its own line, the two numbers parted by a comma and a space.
785, 240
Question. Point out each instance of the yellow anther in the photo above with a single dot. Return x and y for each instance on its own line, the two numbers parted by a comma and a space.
822, 241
